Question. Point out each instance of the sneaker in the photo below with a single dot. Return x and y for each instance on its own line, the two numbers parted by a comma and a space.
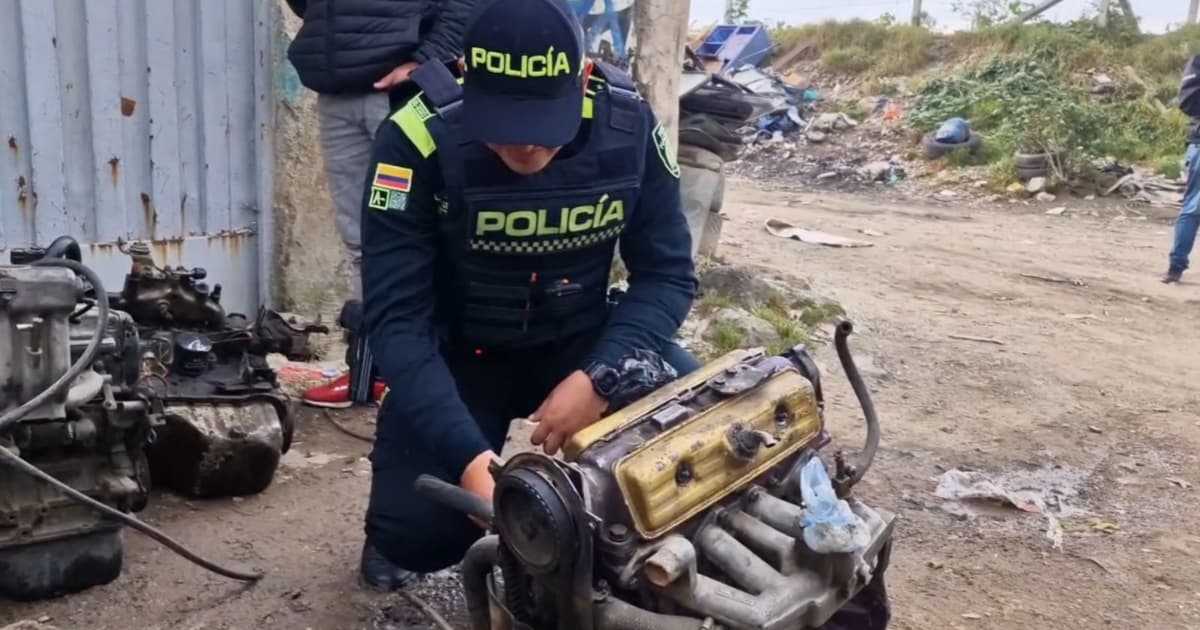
1172, 276
379, 573
336, 393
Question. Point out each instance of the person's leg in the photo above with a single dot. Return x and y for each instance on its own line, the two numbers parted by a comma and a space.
407, 532
680, 359
1188, 221
346, 148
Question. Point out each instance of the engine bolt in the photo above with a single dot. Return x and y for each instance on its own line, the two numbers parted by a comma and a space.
683, 475
618, 532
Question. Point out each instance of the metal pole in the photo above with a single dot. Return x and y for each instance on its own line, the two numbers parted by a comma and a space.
1036, 11
916, 16
1192, 10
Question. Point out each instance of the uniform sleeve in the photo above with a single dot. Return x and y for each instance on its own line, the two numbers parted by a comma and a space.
1189, 89
657, 251
444, 41
398, 250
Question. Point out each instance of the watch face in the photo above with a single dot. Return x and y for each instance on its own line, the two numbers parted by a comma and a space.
605, 380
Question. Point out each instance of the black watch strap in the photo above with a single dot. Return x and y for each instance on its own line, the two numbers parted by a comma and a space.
605, 378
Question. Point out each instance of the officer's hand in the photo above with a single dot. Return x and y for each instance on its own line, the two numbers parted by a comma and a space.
572, 406
478, 481
397, 76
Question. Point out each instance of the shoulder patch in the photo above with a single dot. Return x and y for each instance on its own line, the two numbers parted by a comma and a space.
389, 187
665, 152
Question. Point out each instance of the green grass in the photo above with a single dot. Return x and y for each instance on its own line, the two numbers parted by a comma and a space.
859, 46
1170, 167
712, 302
726, 338
1023, 86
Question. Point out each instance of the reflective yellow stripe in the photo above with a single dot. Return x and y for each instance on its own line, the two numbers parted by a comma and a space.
411, 120
589, 108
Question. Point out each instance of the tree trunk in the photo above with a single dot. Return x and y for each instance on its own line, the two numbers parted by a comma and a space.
660, 28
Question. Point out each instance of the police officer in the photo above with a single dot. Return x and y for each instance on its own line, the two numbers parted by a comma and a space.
491, 216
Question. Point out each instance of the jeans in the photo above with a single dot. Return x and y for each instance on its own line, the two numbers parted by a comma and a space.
1189, 216
420, 535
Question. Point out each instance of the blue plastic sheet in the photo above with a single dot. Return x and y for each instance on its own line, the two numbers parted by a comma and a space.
829, 524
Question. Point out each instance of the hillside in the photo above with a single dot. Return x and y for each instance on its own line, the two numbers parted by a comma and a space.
1075, 89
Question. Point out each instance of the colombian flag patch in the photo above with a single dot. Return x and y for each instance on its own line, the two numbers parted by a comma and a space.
390, 177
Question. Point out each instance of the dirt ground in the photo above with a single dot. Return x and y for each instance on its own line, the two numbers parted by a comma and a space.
1082, 390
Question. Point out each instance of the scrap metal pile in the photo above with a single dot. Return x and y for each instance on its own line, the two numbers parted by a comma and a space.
107, 394
703, 505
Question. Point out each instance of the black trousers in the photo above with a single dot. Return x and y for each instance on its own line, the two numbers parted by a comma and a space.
418, 534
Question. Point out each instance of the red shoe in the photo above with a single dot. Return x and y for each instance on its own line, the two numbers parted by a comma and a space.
336, 393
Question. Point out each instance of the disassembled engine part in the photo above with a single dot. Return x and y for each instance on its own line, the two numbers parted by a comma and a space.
683, 511
73, 433
226, 423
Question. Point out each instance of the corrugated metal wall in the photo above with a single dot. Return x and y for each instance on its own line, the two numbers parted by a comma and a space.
141, 120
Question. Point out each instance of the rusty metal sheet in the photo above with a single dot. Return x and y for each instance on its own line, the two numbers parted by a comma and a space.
140, 120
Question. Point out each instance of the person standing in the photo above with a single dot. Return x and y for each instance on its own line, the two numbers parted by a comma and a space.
357, 56
1189, 215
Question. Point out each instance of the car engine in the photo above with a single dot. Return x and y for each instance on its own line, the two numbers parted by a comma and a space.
73, 407
226, 422
687, 509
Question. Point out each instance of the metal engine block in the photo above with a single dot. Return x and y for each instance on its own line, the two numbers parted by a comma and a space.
92, 435
683, 511
226, 423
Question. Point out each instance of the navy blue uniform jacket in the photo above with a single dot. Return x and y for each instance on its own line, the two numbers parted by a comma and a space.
398, 270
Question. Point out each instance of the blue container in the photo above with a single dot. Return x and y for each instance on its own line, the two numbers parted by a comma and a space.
736, 45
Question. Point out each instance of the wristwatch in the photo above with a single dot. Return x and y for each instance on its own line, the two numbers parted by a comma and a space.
605, 378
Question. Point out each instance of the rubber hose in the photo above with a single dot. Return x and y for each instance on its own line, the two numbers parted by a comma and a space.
863, 394
475, 568
454, 497
65, 247
126, 519
85, 359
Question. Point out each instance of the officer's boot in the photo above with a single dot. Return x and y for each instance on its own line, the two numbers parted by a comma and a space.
360, 385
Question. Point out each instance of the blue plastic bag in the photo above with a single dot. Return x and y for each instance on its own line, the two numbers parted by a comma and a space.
953, 131
829, 524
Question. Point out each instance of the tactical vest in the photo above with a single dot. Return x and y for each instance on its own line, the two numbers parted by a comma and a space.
524, 261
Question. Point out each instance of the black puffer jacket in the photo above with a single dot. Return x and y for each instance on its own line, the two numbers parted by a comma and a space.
347, 45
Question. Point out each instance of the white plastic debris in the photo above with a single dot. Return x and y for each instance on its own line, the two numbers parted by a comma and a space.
829, 524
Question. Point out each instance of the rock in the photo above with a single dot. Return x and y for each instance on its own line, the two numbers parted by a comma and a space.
1045, 196
876, 171
1036, 185
1015, 188
1059, 211
755, 330
746, 287
833, 121
995, 198
827, 175
947, 194
816, 137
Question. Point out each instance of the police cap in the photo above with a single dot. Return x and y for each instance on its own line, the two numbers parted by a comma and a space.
524, 80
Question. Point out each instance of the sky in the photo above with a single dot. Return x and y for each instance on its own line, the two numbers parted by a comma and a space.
1155, 15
